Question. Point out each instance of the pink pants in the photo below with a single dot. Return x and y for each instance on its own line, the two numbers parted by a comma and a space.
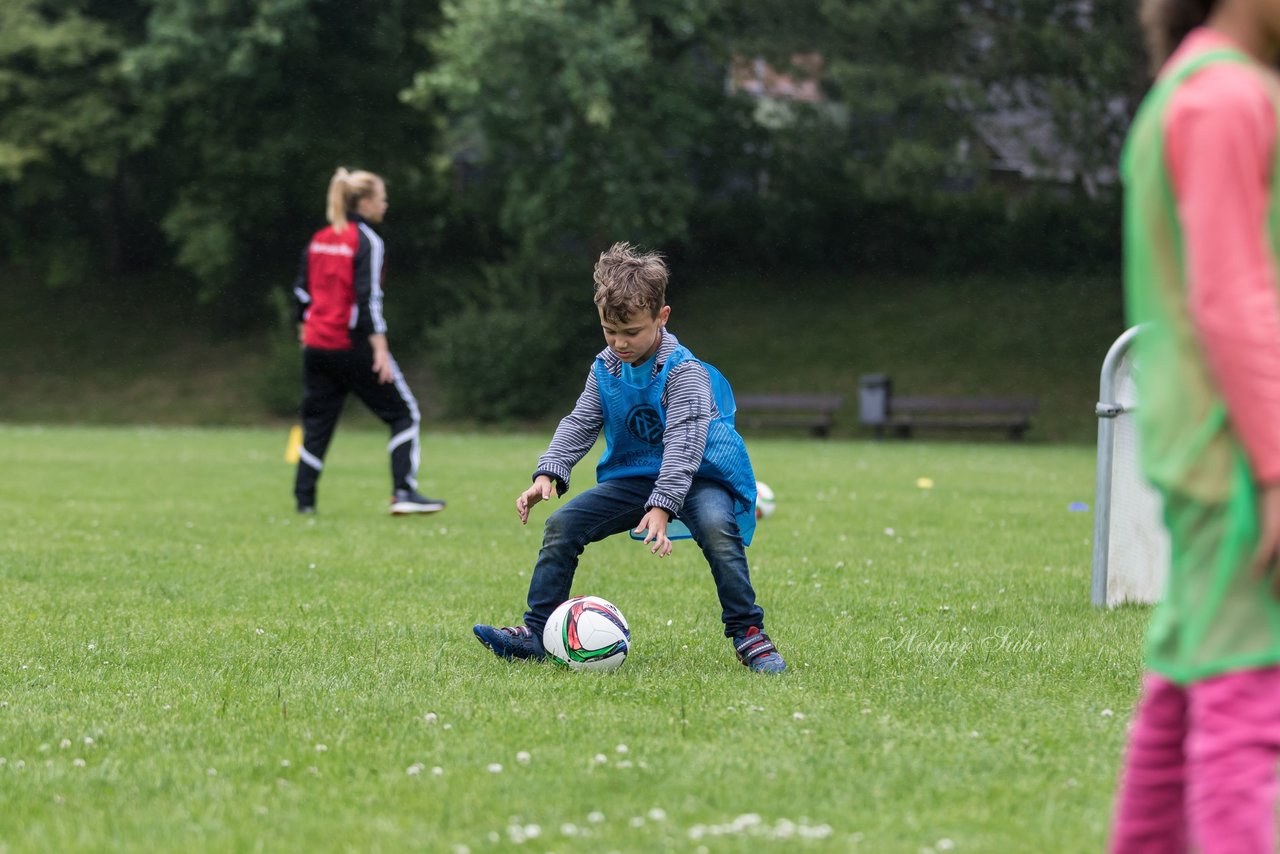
1201, 767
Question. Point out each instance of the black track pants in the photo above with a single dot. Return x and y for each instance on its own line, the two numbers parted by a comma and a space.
328, 376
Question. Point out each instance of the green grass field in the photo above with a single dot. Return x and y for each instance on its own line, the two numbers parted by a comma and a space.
187, 665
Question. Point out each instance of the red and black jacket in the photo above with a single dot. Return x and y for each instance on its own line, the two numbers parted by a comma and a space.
338, 291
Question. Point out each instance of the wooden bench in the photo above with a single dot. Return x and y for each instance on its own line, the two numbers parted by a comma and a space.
816, 412
880, 409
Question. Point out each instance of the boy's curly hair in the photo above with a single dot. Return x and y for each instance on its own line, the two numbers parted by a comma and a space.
629, 281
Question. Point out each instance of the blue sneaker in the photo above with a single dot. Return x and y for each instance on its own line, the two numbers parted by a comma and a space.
756, 651
511, 641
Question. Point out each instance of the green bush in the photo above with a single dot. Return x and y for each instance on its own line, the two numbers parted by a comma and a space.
502, 364
279, 386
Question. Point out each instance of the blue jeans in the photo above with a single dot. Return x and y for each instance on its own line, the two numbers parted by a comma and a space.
616, 506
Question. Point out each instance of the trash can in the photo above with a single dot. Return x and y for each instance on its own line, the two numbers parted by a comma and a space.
873, 399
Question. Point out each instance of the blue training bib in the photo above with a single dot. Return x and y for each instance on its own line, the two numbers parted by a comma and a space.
634, 422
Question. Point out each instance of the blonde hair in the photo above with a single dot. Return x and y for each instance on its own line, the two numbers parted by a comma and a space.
345, 190
629, 281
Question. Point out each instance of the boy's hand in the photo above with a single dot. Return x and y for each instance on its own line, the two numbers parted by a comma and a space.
655, 524
542, 490
1267, 558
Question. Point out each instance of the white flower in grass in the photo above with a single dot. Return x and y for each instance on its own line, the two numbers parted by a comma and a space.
447, 726
88, 742
1106, 713
600, 759
799, 716
259, 631
595, 817
523, 757
430, 718
78, 762
636, 821
461, 849
532, 831
321, 748
91, 647
657, 814
212, 772
495, 768
568, 829
414, 770
437, 771
888, 532
821, 831
945, 844
284, 763
65, 743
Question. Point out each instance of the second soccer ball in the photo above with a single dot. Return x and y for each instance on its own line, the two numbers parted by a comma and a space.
765, 504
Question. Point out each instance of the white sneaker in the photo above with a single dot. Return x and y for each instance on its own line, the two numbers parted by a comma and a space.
406, 502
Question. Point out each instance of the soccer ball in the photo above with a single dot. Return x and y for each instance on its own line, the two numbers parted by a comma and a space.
765, 505
587, 633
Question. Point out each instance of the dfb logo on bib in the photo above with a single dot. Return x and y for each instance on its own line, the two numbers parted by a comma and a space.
645, 424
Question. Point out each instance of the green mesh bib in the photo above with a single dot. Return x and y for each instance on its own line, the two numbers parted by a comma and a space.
1214, 617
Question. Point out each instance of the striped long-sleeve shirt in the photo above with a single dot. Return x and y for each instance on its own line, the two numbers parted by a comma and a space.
689, 407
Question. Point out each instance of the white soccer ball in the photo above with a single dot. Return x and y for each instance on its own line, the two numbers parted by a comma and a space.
587, 633
765, 503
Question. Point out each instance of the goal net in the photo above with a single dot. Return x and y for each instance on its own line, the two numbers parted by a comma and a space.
1130, 543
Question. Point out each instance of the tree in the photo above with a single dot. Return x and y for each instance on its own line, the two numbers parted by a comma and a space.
211, 126
583, 117
262, 100
67, 122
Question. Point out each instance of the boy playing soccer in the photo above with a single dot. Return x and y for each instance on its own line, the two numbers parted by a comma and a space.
670, 452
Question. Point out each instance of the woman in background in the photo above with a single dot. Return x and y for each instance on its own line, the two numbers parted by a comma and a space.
338, 294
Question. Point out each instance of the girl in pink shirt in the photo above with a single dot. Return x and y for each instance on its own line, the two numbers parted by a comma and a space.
1202, 227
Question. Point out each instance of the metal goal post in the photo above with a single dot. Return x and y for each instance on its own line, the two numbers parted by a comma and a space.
1130, 543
